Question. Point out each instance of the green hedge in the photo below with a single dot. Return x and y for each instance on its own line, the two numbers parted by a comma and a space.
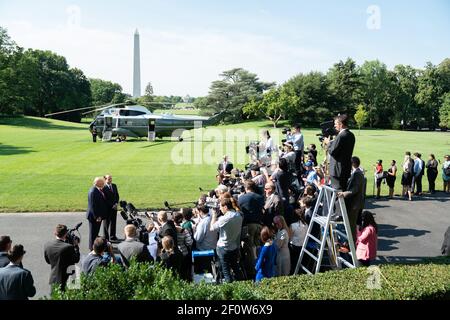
428, 280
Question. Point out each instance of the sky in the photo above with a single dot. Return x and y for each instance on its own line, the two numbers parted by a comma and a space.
185, 45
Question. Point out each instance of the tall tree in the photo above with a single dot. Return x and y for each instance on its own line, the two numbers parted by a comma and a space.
429, 95
361, 116
378, 94
13, 73
230, 94
275, 105
345, 86
406, 88
444, 112
104, 92
312, 98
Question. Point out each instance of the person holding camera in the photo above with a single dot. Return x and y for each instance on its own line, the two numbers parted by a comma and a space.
97, 210
60, 255
296, 137
205, 238
16, 283
340, 151
101, 255
290, 156
112, 198
229, 225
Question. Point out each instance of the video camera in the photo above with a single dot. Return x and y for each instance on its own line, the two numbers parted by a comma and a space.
74, 235
328, 130
286, 131
131, 215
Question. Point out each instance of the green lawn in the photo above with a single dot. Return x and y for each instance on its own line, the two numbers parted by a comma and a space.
48, 165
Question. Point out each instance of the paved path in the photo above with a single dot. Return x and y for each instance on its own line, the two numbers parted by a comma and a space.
407, 231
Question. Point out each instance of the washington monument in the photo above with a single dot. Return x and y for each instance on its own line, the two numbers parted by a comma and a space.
137, 66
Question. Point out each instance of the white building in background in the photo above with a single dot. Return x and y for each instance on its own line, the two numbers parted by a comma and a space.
137, 66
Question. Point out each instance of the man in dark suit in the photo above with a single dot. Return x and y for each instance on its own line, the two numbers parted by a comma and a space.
252, 205
97, 210
60, 255
225, 167
16, 283
5, 246
341, 151
112, 198
131, 247
167, 228
355, 195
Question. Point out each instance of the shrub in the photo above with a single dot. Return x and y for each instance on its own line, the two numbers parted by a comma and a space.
428, 280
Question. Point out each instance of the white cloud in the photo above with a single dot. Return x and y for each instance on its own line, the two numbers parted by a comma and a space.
177, 62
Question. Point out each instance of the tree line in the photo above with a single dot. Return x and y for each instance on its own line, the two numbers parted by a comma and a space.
404, 97
37, 82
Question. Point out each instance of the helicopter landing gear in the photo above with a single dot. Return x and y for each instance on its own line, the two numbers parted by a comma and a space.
121, 139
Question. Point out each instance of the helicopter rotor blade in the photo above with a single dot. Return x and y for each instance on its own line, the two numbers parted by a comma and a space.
95, 109
67, 111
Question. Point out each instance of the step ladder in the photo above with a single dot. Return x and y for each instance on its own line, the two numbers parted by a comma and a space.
332, 206
107, 136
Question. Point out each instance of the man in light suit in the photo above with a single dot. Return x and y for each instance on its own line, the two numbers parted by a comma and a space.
112, 198
97, 210
355, 195
225, 167
16, 283
341, 151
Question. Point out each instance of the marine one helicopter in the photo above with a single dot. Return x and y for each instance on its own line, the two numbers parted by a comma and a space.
120, 121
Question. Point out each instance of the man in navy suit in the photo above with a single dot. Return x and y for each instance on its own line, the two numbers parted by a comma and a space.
112, 198
16, 283
341, 151
97, 210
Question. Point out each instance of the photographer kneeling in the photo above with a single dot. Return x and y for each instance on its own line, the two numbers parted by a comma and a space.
60, 255
101, 255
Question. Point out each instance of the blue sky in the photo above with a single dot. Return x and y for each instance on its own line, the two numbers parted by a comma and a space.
186, 44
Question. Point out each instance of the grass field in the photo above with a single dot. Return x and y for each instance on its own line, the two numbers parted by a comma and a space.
48, 165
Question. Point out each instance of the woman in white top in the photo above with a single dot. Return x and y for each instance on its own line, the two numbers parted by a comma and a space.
267, 143
298, 232
282, 243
